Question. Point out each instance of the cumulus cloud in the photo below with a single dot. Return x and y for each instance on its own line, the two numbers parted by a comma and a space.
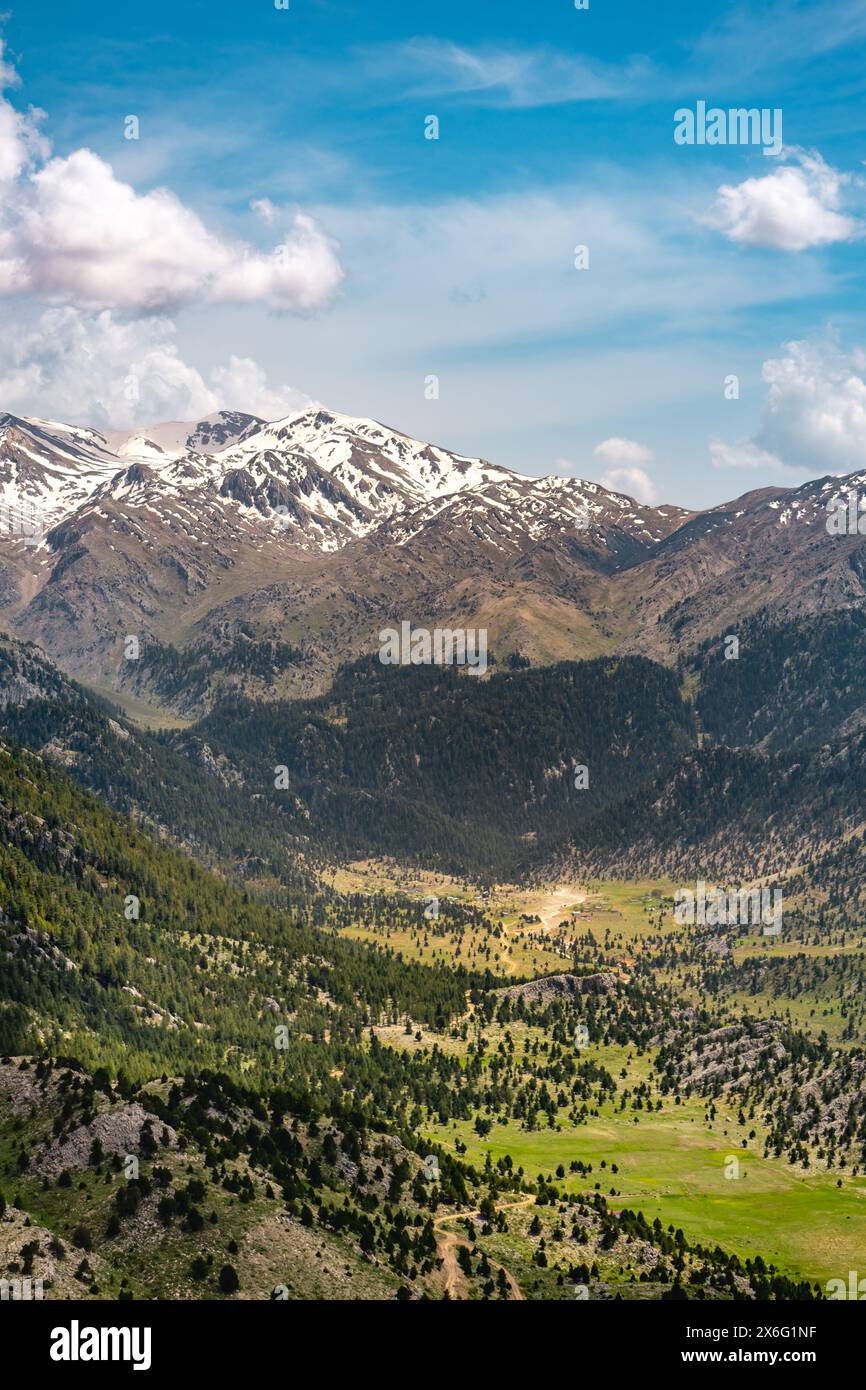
636, 482
794, 208
624, 451
73, 233
21, 143
814, 415
93, 369
625, 471
243, 385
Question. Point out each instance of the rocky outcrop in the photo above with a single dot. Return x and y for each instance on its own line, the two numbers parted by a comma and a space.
560, 987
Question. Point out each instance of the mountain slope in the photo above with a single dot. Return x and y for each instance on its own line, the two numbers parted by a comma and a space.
449, 768
186, 972
770, 551
791, 685
254, 558
736, 816
190, 801
314, 522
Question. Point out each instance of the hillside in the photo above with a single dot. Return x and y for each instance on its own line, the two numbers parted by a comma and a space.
210, 1111
737, 815
290, 544
792, 685
123, 949
191, 801
436, 765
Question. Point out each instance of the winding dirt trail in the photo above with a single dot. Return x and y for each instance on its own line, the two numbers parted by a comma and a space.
448, 1242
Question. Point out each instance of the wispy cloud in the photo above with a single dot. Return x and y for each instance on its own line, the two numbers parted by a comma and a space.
782, 37
507, 76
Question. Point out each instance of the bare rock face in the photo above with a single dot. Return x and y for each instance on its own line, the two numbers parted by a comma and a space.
118, 1130
560, 987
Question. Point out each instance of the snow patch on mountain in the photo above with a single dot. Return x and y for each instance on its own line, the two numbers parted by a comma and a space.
314, 479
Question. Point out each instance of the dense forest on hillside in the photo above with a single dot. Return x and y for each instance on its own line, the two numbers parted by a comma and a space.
791, 685
433, 763
190, 800
733, 813
194, 677
129, 952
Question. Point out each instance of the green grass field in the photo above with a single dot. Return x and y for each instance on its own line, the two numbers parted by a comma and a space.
672, 1165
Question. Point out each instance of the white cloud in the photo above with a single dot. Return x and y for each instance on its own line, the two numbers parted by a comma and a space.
301, 273
792, 209
748, 454
95, 370
265, 209
624, 451
625, 472
510, 77
636, 482
20, 141
73, 233
814, 415
242, 385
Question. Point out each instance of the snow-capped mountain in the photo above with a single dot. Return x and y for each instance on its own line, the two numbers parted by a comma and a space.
50, 468
316, 480
205, 436
513, 508
282, 547
383, 470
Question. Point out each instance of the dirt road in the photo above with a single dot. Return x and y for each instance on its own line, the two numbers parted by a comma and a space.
447, 1243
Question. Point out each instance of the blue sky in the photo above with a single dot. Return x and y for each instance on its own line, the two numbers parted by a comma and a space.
452, 258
